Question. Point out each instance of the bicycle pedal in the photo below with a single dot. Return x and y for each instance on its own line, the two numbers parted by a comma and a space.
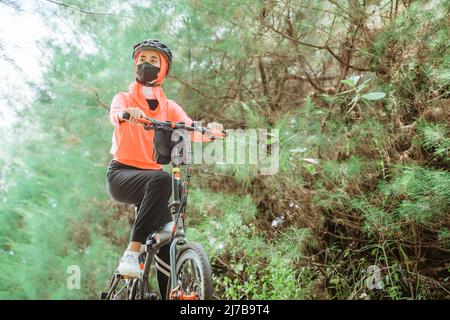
103, 295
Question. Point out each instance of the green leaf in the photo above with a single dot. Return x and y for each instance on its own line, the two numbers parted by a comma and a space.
373, 95
239, 267
352, 81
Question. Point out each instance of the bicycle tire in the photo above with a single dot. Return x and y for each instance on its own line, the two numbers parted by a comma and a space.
194, 252
137, 290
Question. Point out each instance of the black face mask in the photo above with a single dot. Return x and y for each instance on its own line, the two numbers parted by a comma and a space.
146, 73
152, 103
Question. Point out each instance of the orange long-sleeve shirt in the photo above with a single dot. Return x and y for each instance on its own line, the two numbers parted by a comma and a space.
132, 144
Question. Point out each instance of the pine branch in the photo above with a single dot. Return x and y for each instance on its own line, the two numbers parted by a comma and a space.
101, 103
199, 91
307, 44
84, 11
12, 4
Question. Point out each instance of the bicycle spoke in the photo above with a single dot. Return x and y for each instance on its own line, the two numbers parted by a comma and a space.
120, 291
124, 287
190, 277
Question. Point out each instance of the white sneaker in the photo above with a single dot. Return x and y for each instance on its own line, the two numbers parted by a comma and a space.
129, 265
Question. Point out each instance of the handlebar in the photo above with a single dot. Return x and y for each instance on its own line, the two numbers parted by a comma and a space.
150, 123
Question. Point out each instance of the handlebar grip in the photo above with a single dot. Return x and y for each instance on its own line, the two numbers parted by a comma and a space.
125, 115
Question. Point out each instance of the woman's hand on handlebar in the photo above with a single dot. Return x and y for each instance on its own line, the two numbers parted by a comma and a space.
135, 114
215, 126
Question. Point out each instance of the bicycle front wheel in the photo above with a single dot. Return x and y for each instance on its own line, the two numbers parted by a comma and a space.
194, 271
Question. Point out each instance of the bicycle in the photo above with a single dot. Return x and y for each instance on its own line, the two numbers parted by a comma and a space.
190, 270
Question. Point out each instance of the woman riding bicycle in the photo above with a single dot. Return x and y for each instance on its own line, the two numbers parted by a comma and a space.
133, 175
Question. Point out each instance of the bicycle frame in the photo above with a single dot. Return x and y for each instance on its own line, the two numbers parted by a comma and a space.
177, 207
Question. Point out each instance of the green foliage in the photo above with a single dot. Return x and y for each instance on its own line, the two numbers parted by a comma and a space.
300, 135
213, 216
379, 197
226, 226
276, 276
427, 193
444, 237
435, 139
415, 195
356, 90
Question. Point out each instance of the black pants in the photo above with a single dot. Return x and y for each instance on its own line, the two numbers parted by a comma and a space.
150, 190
